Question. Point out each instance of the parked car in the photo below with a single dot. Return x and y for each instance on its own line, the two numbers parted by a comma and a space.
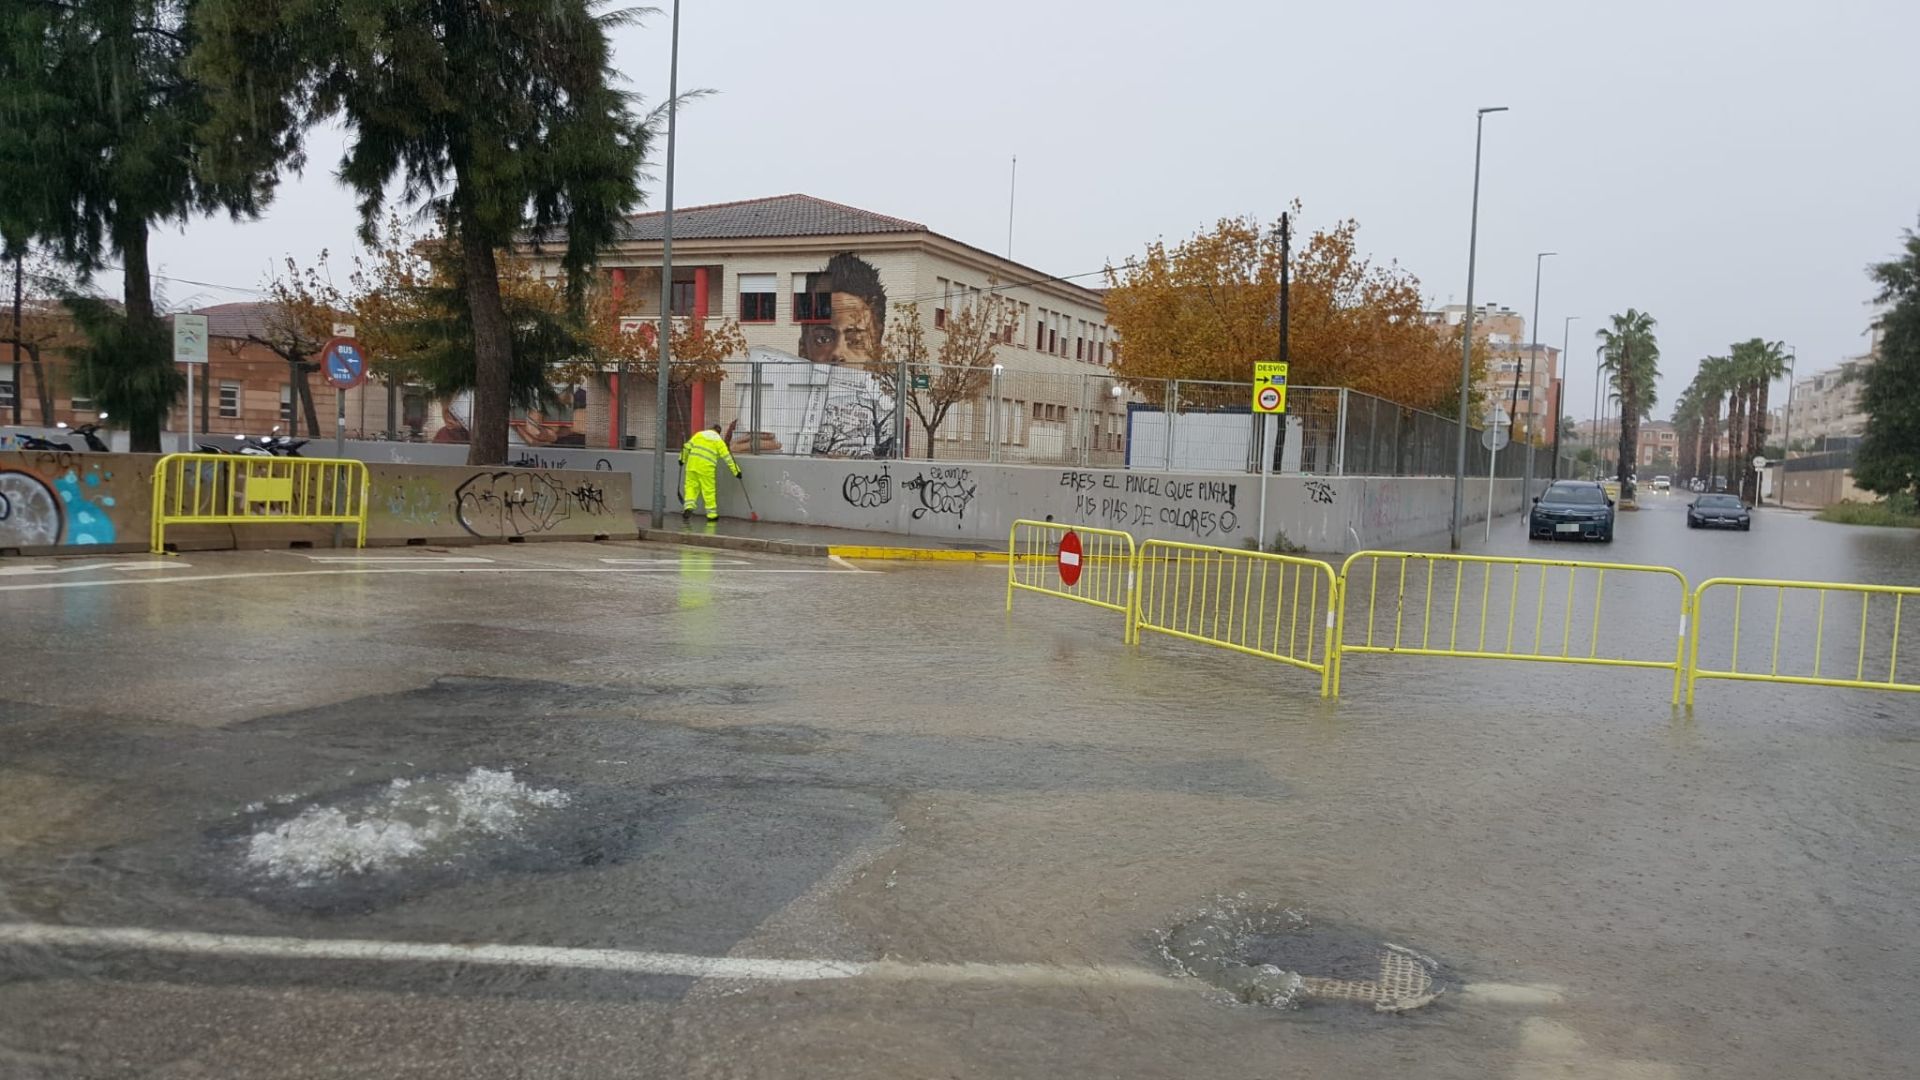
1663, 483
1572, 510
1719, 512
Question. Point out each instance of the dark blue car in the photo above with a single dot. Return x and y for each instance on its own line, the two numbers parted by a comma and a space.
1572, 510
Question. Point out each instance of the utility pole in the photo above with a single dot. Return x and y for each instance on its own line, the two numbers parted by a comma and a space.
19, 272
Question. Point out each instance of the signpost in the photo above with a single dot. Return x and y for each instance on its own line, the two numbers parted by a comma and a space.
345, 365
1495, 439
189, 348
1070, 559
1269, 399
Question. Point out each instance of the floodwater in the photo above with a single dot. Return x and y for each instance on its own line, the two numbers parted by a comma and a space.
701, 755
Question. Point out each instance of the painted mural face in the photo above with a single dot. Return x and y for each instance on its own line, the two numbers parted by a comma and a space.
855, 313
858, 335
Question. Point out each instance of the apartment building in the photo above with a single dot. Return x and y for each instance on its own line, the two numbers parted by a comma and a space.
1520, 374
1826, 404
817, 285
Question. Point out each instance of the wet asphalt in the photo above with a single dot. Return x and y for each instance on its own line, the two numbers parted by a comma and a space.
765, 757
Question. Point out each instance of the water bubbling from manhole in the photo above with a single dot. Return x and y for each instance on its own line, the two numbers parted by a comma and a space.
1277, 956
404, 822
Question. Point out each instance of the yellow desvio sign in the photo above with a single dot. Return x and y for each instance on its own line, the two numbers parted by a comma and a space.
1270, 388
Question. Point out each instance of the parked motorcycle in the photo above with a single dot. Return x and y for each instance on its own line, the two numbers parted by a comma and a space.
90, 432
35, 442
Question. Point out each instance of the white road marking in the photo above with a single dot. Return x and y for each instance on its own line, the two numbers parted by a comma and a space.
415, 559
538, 956
43, 568
638, 962
677, 562
411, 570
852, 569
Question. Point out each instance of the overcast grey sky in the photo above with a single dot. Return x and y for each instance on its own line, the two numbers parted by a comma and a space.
1730, 167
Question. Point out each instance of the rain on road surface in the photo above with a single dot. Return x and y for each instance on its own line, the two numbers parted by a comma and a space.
749, 816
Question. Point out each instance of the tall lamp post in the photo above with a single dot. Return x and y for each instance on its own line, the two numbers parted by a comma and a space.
661, 383
1786, 424
1566, 328
1533, 367
1466, 331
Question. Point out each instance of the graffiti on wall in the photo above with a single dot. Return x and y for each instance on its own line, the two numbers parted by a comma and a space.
1320, 491
68, 509
1203, 508
947, 489
29, 511
867, 489
499, 505
414, 501
794, 493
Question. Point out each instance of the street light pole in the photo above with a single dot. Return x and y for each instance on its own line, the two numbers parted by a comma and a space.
1466, 331
664, 357
1533, 367
1786, 423
1566, 328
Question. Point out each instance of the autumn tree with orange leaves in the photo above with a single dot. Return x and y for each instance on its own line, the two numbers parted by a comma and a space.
1207, 309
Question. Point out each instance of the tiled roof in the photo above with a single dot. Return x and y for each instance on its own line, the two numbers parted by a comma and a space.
781, 215
240, 320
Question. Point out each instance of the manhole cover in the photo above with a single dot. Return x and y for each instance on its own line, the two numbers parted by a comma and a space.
1278, 956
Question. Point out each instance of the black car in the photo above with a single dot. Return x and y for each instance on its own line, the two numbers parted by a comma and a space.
1719, 512
1572, 510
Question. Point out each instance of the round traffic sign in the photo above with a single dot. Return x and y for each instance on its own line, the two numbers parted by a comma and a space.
345, 365
1760, 461
1070, 558
1494, 438
1269, 397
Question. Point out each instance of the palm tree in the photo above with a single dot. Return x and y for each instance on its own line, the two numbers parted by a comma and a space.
1686, 431
1715, 381
1631, 357
1758, 363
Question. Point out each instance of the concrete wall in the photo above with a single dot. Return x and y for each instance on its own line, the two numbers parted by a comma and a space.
71, 503
976, 502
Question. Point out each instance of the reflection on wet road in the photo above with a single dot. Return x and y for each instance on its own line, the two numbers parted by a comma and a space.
980, 833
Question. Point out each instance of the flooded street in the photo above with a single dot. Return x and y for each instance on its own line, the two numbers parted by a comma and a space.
631, 810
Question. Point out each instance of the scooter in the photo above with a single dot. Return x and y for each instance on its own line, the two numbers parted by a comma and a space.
35, 442
90, 432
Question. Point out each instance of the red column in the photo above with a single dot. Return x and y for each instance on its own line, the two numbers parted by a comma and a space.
616, 402
699, 418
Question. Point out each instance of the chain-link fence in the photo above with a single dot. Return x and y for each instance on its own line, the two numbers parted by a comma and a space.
1091, 419
1077, 417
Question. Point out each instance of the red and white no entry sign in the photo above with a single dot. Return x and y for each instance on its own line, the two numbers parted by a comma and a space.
1070, 558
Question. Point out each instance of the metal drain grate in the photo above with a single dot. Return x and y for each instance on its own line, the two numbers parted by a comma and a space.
1273, 954
1406, 982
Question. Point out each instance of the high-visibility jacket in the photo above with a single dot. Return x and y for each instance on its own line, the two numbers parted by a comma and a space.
704, 452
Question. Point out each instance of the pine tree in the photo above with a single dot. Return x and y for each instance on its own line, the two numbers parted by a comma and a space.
100, 144
502, 119
1888, 461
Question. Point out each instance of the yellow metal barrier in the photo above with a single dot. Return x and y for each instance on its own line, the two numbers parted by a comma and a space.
1442, 600
1888, 613
240, 489
1105, 565
1273, 606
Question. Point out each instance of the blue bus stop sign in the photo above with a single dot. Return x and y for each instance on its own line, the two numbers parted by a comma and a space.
344, 363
